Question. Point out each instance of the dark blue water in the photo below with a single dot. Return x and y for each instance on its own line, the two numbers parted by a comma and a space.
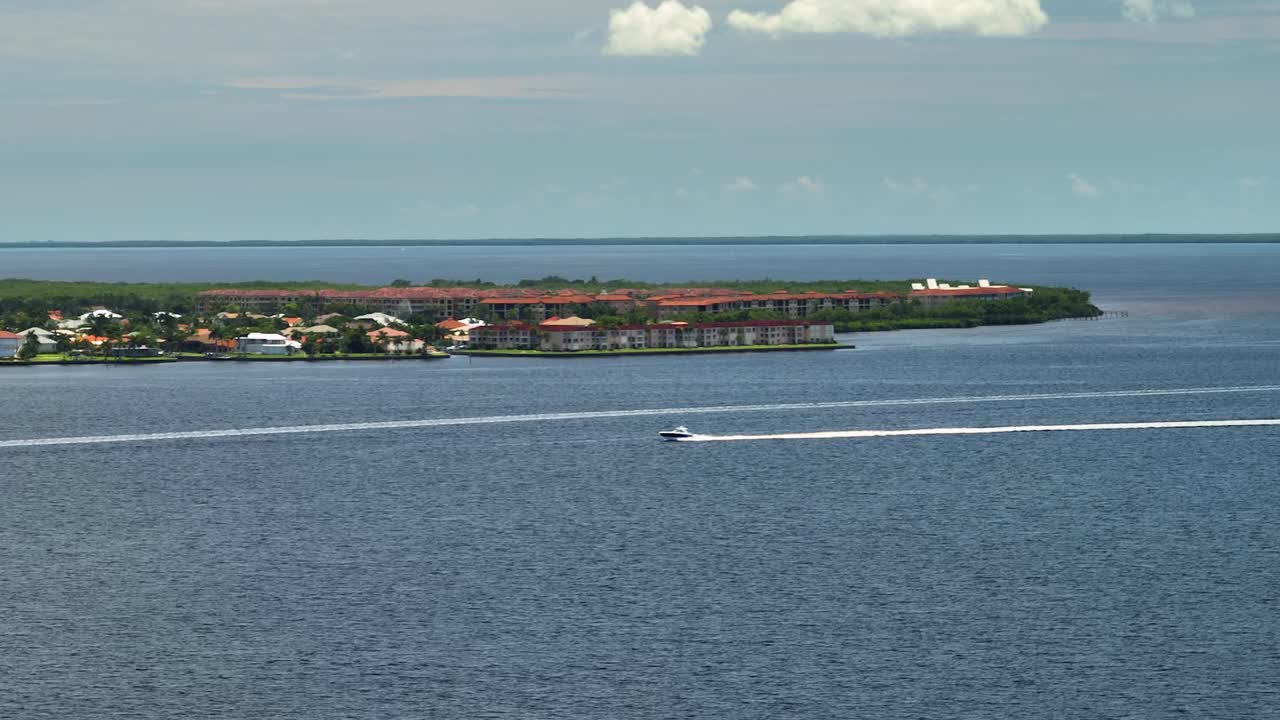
581, 569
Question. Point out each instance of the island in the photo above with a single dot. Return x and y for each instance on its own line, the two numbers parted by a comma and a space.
148, 323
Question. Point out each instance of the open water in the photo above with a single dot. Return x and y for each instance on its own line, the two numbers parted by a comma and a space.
508, 538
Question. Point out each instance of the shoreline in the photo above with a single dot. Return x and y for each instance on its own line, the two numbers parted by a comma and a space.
653, 351
172, 360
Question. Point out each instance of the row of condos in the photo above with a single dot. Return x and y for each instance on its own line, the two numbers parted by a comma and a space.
534, 306
572, 338
795, 305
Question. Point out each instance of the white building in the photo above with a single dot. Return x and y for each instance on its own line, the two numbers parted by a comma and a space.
265, 344
382, 319
48, 340
101, 312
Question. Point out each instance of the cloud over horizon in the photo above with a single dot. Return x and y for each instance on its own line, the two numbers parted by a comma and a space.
1082, 188
670, 28
1148, 11
897, 18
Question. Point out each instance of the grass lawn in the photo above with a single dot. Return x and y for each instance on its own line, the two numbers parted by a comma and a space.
312, 358
60, 359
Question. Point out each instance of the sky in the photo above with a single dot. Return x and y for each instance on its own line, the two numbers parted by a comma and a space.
298, 119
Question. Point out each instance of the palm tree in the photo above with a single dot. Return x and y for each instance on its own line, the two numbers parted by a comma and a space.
100, 325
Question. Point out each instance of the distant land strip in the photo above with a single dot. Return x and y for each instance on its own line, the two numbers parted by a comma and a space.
1138, 239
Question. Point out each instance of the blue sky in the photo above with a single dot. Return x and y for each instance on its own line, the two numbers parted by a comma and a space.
289, 119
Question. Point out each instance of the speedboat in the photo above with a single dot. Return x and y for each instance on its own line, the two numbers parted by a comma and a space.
676, 433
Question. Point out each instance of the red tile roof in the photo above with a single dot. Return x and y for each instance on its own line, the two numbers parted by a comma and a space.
6, 335
966, 292
387, 333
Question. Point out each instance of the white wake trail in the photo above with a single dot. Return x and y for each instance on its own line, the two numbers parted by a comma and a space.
672, 412
838, 434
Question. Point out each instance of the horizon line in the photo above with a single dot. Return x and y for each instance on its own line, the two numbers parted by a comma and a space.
878, 239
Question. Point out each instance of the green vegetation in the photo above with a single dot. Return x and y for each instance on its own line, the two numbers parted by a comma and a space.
761, 286
1045, 304
37, 297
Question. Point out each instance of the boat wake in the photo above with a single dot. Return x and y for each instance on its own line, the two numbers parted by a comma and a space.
1088, 427
674, 412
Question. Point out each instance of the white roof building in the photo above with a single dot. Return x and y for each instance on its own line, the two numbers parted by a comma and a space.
266, 344
101, 312
381, 318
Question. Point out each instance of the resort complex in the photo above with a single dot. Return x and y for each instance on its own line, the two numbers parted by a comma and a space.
536, 305
543, 316
573, 335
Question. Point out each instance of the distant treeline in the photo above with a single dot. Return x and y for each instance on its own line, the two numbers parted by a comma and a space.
67, 295
40, 296
1129, 239
1044, 305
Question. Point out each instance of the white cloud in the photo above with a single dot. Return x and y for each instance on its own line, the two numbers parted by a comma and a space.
804, 184
914, 185
897, 18
1251, 183
1148, 11
742, 184
670, 28
919, 187
1082, 187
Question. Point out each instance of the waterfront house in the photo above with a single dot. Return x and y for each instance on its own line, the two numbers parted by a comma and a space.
48, 340
265, 344
9, 344
314, 330
391, 339
202, 341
